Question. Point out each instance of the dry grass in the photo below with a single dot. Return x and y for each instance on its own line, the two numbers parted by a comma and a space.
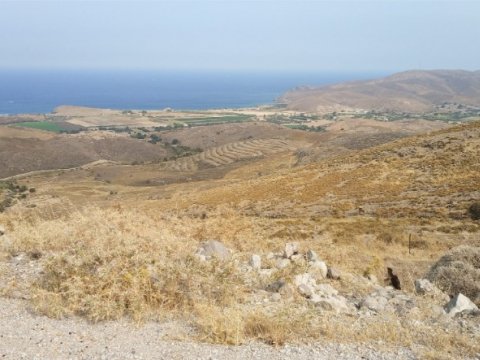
107, 261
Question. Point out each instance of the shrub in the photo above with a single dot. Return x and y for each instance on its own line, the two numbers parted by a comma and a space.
458, 271
474, 211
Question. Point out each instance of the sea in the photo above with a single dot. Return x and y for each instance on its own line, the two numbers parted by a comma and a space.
40, 91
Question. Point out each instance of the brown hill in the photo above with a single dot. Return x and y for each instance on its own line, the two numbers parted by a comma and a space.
410, 91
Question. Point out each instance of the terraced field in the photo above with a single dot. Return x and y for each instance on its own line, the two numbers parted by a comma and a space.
229, 153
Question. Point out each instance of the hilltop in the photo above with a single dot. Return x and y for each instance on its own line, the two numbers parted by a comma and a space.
410, 91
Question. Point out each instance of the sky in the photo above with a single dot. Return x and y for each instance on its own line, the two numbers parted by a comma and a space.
244, 35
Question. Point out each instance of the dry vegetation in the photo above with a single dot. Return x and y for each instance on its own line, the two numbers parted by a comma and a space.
131, 254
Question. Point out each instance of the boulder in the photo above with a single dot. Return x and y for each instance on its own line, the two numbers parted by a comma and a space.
213, 249
290, 250
255, 262
326, 290
424, 286
319, 268
337, 304
304, 279
374, 303
458, 304
333, 273
306, 290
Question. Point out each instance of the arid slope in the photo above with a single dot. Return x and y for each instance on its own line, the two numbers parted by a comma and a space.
411, 91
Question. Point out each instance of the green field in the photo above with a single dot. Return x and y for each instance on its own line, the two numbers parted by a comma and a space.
42, 125
217, 119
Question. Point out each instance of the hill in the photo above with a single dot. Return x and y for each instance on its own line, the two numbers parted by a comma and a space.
110, 241
411, 91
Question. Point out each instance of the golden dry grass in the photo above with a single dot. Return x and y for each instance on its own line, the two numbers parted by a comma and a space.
133, 255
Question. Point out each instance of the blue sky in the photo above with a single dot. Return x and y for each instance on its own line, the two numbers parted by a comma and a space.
247, 35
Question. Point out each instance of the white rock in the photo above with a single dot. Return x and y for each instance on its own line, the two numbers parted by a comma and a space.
458, 304
312, 255
337, 304
374, 303
326, 290
423, 286
306, 290
319, 267
290, 249
255, 262
282, 263
214, 249
297, 258
304, 279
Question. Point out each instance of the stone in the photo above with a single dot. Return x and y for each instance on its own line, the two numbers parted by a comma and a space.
311, 255
458, 304
337, 304
282, 263
306, 290
304, 279
326, 290
374, 303
291, 249
255, 262
424, 286
2, 230
297, 258
320, 268
214, 249
333, 273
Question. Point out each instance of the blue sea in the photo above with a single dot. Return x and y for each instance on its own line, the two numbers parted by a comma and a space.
41, 91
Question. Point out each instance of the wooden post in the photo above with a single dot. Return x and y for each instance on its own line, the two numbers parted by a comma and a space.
409, 243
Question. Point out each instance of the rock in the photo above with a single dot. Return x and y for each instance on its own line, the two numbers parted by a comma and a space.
306, 290
372, 278
326, 290
424, 286
333, 273
311, 256
213, 249
2, 230
337, 304
458, 304
255, 262
304, 279
290, 250
276, 286
282, 263
320, 268
297, 258
374, 303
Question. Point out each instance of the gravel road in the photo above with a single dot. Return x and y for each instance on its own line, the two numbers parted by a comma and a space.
24, 335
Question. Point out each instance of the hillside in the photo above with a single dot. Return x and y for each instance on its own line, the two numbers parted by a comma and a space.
111, 241
411, 91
